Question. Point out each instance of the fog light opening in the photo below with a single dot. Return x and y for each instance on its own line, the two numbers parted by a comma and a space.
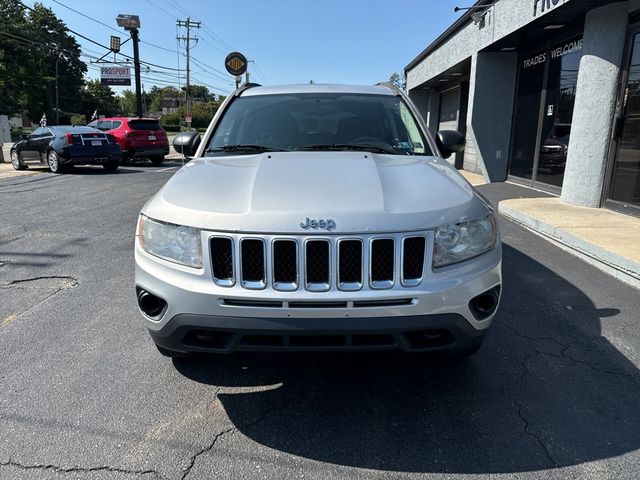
150, 304
485, 304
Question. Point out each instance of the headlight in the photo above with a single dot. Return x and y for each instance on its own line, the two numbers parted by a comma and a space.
175, 243
455, 243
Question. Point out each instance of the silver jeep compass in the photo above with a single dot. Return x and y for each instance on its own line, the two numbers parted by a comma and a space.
317, 218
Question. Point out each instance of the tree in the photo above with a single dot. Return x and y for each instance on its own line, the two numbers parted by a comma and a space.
399, 80
157, 94
96, 96
128, 103
31, 43
201, 92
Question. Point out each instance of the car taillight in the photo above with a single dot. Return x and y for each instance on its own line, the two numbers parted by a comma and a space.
68, 136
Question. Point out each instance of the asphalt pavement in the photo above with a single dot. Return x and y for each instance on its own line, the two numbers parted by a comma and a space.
553, 394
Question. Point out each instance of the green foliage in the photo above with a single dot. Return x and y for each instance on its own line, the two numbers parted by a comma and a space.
30, 44
96, 96
78, 119
399, 80
201, 113
128, 103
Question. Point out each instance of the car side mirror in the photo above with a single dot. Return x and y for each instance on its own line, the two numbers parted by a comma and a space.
187, 143
449, 141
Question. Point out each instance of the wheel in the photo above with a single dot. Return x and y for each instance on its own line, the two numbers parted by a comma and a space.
54, 162
16, 161
157, 160
171, 353
111, 165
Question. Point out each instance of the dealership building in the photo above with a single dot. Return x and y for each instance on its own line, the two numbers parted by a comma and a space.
547, 93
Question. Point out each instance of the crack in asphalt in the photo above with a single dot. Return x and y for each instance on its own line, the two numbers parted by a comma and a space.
194, 457
228, 431
6, 242
59, 469
525, 429
564, 354
73, 282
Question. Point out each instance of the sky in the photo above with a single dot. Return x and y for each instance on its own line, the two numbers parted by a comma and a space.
289, 41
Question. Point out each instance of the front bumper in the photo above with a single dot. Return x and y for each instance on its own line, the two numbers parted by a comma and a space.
435, 316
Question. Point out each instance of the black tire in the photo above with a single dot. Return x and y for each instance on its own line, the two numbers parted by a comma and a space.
111, 165
54, 162
172, 353
16, 161
157, 161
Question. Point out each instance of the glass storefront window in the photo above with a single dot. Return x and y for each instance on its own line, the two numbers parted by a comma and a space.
625, 181
558, 112
560, 65
526, 115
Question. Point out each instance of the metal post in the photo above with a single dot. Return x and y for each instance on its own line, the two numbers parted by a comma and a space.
188, 93
57, 105
136, 62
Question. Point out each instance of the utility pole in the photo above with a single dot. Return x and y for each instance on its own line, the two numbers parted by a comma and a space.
131, 23
188, 24
57, 105
136, 63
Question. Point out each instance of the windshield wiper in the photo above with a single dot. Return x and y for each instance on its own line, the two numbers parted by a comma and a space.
245, 148
368, 147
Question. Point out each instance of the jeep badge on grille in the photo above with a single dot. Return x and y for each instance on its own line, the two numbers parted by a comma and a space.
316, 224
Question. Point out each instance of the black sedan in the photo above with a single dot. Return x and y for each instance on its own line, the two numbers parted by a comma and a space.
62, 146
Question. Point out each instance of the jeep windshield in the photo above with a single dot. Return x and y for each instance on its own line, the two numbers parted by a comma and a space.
318, 122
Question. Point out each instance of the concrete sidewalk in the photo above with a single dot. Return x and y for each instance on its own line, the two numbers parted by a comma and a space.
606, 239
7, 170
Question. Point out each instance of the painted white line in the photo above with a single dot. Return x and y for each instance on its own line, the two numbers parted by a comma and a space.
166, 169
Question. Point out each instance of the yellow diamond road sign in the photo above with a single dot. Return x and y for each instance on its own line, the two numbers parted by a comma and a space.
236, 63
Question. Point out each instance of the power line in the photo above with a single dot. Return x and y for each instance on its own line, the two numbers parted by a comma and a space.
97, 43
108, 26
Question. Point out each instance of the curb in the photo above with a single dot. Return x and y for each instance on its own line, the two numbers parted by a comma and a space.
616, 265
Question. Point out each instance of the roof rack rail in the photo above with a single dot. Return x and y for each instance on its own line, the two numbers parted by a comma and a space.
245, 86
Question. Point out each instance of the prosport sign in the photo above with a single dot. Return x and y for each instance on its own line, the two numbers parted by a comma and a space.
115, 75
543, 6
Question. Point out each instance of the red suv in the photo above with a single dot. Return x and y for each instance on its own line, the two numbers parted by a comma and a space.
137, 137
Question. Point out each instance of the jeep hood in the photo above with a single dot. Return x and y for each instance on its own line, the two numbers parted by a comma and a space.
275, 192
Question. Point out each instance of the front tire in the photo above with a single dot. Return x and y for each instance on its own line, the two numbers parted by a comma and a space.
17, 161
54, 162
157, 161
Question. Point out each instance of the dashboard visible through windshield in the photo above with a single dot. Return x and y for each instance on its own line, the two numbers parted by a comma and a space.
318, 122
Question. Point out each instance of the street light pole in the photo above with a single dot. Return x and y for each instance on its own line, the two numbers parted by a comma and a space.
136, 63
131, 23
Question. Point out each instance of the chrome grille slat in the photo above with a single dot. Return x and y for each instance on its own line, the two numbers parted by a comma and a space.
382, 263
413, 255
348, 263
285, 265
222, 261
317, 265
253, 262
